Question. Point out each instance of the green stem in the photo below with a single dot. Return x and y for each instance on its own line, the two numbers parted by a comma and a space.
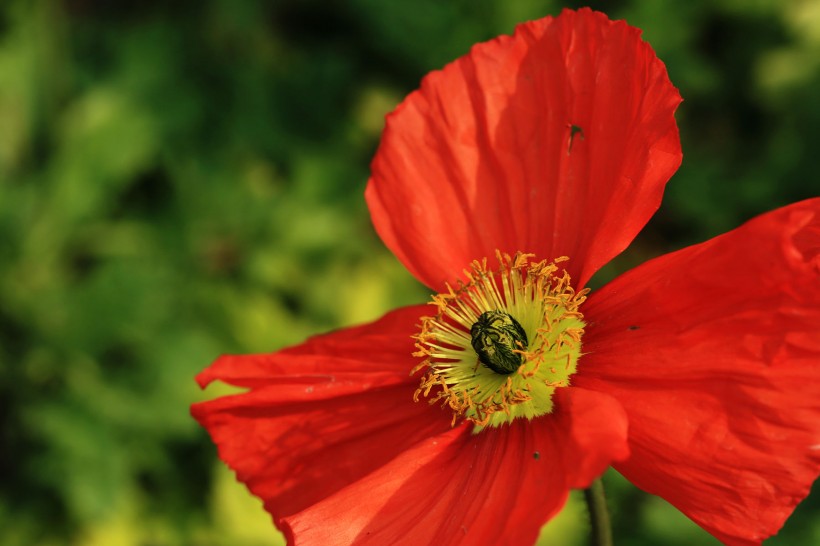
598, 514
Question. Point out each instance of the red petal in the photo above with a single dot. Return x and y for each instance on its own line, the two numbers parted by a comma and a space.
714, 351
360, 357
484, 156
495, 487
321, 415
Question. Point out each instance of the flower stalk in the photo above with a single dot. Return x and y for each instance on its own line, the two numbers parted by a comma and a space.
595, 497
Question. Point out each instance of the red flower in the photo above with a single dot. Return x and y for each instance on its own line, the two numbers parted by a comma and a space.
696, 374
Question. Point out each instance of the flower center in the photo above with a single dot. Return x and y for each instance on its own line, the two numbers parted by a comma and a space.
500, 344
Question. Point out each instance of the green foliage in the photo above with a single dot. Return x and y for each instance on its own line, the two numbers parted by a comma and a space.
184, 179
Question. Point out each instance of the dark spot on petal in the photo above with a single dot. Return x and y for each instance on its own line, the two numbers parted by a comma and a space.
574, 130
633, 327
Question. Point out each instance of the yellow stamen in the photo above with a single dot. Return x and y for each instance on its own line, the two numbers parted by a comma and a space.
520, 294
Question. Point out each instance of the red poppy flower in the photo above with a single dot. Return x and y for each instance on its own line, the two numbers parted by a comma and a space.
503, 184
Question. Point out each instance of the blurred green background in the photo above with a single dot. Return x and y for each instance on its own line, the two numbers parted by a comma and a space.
182, 179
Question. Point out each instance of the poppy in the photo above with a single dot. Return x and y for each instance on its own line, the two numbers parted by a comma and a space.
503, 184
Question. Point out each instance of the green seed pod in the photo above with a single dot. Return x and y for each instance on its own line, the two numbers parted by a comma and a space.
495, 335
